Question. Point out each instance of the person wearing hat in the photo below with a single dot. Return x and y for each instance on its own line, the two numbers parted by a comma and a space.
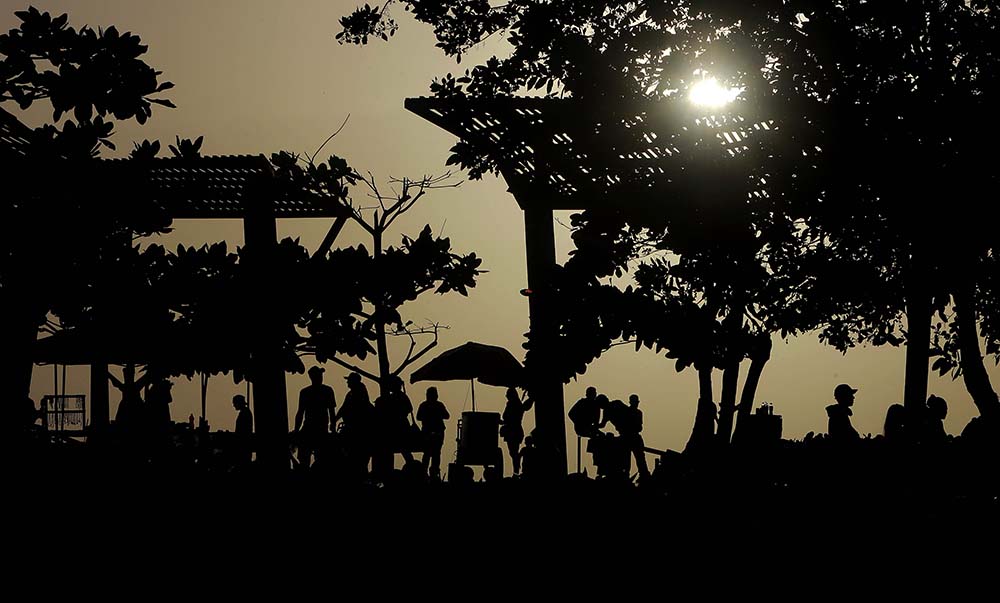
317, 411
840, 428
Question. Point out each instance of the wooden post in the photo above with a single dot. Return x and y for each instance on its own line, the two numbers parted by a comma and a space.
266, 371
544, 386
100, 406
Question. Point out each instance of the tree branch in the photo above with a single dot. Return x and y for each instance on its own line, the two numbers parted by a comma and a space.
378, 196
410, 361
618, 343
356, 369
360, 219
409, 352
312, 158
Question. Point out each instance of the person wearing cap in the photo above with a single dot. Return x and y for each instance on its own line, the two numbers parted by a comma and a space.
317, 411
840, 428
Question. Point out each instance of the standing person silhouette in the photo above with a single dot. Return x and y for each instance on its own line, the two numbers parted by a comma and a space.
840, 428
615, 458
432, 414
158, 402
512, 431
633, 436
157, 415
317, 410
392, 411
357, 416
243, 449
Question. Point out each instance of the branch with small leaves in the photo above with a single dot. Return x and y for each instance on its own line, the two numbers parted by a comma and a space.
432, 329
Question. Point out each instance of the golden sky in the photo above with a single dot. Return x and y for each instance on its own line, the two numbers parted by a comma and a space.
258, 76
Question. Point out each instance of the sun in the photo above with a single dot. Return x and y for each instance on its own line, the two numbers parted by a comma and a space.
709, 93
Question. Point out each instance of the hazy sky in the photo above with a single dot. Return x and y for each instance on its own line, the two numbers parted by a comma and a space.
258, 76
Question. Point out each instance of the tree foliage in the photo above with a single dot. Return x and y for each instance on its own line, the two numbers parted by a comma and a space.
372, 285
875, 170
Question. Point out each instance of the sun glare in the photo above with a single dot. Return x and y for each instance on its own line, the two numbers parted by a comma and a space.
709, 93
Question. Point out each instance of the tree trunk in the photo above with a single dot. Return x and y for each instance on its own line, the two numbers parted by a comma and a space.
705, 385
918, 339
977, 380
727, 401
731, 376
381, 344
19, 322
703, 431
758, 359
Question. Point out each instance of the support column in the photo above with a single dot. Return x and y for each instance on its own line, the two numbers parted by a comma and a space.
545, 386
266, 370
100, 403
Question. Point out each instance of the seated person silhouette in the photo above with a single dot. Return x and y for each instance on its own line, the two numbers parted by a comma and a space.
840, 428
937, 410
895, 424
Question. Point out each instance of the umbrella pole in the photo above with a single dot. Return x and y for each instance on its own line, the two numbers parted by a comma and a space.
204, 394
473, 382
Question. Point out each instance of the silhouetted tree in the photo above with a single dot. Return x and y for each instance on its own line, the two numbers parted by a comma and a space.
851, 84
372, 286
94, 77
892, 79
722, 209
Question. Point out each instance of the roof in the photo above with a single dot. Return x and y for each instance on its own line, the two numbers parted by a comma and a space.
223, 186
13, 136
565, 153
218, 186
